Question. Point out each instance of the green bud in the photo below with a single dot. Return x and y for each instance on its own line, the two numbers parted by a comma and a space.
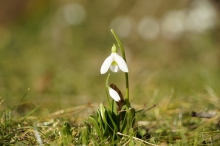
114, 49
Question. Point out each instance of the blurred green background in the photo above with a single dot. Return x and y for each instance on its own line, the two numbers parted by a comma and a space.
51, 51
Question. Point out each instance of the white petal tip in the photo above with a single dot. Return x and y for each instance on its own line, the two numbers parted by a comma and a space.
106, 64
102, 72
121, 63
114, 94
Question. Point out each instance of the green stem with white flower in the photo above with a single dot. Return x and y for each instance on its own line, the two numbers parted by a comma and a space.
126, 74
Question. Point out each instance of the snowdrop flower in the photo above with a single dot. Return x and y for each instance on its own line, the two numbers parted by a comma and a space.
114, 94
114, 62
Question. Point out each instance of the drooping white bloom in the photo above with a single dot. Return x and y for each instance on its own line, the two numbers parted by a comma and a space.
114, 94
114, 62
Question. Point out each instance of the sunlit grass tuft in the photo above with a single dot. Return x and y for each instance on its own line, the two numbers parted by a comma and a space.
170, 122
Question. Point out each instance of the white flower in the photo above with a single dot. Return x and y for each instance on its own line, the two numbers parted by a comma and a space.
114, 62
114, 94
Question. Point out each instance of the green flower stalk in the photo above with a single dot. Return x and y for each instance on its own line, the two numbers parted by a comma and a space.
126, 73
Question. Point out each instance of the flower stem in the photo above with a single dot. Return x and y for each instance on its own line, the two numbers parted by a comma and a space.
106, 89
126, 74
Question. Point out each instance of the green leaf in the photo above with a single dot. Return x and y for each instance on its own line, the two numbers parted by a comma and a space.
103, 123
112, 123
103, 113
114, 107
94, 122
129, 120
66, 134
85, 135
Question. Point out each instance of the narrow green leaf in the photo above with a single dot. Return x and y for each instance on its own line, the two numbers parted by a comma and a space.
115, 126
103, 124
103, 113
129, 120
66, 134
114, 107
94, 122
85, 135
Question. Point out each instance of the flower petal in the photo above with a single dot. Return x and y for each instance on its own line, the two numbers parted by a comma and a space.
114, 94
114, 68
106, 64
121, 62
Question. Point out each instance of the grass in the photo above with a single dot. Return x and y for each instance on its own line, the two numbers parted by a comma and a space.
170, 123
